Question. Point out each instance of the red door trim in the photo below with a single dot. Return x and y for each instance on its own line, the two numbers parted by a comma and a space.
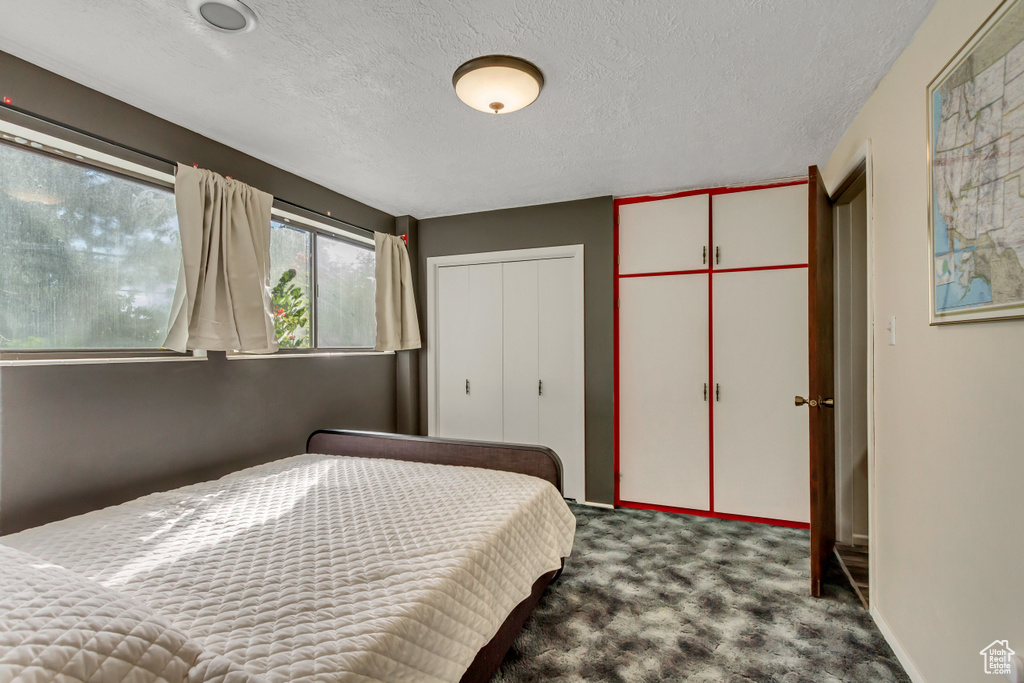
667, 272
788, 266
712, 394
715, 515
708, 191
709, 272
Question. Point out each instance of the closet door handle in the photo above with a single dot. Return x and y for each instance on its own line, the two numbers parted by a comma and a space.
718, 393
704, 255
467, 386
718, 256
540, 387
705, 392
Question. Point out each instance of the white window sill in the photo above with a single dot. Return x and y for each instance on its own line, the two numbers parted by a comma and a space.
315, 354
27, 362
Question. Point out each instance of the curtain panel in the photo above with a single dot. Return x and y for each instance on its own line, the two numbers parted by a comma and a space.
398, 328
222, 300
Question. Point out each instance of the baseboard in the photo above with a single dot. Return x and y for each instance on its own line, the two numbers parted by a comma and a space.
860, 539
597, 505
897, 649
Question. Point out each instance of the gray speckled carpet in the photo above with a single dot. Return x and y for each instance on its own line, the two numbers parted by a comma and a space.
652, 596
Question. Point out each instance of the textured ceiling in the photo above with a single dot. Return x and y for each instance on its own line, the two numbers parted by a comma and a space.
640, 95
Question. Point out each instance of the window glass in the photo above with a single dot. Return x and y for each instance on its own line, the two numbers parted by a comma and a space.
345, 304
88, 259
291, 280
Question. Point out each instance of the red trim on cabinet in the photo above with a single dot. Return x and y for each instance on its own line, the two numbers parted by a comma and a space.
667, 272
753, 268
709, 271
712, 393
715, 515
615, 343
708, 191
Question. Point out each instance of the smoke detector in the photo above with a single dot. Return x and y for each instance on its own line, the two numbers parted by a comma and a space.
226, 16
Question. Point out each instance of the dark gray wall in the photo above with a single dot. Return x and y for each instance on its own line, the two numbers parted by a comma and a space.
79, 437
587, 222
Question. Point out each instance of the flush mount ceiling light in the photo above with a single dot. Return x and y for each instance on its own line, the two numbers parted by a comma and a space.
226, 16
498, 84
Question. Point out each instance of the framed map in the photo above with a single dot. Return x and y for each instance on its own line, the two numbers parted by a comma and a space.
976, 175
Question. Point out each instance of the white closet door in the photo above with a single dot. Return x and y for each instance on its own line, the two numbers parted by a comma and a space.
454, 412
470, 352
485, 352
521, 400
663, 368
561, 401
761, 227
662, 236
761, 439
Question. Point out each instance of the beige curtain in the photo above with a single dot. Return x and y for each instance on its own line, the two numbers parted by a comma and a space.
397, 326
222, 301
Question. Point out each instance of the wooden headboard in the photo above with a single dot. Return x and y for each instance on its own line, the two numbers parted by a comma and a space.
536, 461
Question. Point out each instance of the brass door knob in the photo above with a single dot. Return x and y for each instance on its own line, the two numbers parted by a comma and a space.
800, 401
828, 403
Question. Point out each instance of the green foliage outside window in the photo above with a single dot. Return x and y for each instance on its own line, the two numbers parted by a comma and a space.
291, 312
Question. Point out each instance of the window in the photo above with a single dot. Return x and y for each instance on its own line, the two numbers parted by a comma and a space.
341, 314
90, 252
347, 289
88, 258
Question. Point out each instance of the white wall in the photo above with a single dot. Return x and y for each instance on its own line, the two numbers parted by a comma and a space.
949, 401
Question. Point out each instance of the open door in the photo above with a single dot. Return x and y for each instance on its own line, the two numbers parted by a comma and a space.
822, 377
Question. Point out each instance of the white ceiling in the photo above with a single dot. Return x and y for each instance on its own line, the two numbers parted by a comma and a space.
640, 96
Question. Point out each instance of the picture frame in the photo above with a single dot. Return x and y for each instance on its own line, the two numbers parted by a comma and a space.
975, 107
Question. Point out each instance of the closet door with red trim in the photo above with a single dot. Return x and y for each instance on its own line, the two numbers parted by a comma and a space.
759, 228
761, 440
663, 392
664, 236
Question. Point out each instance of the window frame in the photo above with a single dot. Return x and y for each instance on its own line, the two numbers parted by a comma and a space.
295, 217
66, 144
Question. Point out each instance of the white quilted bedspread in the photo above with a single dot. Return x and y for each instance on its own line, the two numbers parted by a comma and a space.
326, 568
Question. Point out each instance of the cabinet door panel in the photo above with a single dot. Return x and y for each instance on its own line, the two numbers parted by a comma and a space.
561, 402
663, 368
521, 402
761, 438
454, 411
484, 352
761, 227
665, 235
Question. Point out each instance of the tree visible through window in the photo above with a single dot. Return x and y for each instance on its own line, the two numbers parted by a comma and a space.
88, 259
291, 281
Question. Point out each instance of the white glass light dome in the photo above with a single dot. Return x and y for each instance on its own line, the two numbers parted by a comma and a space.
497, 84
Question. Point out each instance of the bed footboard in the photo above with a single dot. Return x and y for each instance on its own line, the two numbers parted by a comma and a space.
536, 461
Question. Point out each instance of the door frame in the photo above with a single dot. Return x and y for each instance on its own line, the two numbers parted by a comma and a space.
859, 162
434, 263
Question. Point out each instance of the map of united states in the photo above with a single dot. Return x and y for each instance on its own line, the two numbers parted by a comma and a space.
978, 166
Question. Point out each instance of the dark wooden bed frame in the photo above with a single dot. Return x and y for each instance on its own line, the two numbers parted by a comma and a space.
536, 461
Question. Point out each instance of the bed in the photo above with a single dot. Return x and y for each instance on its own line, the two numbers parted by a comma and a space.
371, 557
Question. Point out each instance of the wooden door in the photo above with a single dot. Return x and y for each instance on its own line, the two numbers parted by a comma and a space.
663, 391
760, 363
521, 356
821, 347
561, 406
